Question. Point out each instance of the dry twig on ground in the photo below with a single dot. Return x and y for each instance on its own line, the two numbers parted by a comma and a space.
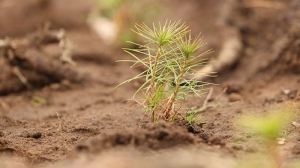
26, 62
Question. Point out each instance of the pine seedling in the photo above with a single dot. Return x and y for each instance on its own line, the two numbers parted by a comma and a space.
192, 117
171, 54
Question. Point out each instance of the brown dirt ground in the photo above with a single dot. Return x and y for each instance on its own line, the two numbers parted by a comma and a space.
88, 124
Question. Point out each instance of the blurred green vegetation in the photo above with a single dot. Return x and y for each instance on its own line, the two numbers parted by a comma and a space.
126, 13
271, 127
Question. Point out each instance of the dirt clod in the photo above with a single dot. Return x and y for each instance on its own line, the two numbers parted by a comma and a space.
36, 135
234, 88
237, 147
154, 136
216, 140
233, 97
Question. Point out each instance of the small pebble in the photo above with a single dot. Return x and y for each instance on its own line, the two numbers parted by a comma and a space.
36, 135
280, 141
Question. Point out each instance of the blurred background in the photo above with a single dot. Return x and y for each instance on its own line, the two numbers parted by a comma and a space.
234, 29
111, 19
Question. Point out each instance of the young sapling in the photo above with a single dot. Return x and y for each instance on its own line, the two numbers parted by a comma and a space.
171, 56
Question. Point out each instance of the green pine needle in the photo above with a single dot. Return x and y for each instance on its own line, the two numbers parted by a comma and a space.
170, 56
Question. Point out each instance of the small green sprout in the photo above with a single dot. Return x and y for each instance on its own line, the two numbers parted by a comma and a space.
192, 117
269, 128
37, 101
171, 56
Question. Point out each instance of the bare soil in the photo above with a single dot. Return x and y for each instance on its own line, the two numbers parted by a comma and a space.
63, 123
